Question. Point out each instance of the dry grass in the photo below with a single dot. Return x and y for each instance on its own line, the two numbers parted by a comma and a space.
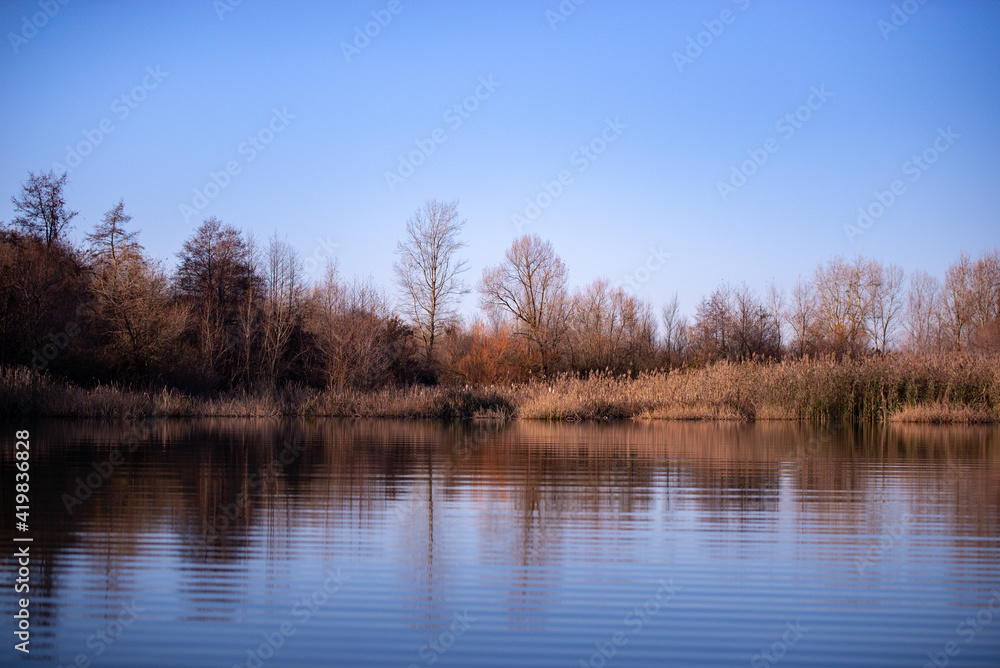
941, 413
957, 389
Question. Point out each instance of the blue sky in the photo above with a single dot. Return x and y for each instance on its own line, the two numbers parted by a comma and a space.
310, 132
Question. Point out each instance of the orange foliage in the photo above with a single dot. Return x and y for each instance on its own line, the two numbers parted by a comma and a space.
482, 355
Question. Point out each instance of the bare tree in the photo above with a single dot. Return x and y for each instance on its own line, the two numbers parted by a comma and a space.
428, 271
610, 329
216, 277
360, 343
244, 336
530, 285
985, 302
841, 306
42, 207
136, 323
672, 325
776, 309
682, 340
713, 324
956, 302
801, 313
754, 333
922, 317
42, 288
110, 241
594, 326
282, 306
885, 302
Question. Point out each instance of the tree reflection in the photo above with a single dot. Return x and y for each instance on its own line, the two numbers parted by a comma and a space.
504, 503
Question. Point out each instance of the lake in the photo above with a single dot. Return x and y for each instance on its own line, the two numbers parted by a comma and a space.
388, 543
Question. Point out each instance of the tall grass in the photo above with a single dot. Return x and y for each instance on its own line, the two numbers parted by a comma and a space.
944, 388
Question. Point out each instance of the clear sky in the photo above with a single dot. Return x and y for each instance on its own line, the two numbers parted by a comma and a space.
829, 101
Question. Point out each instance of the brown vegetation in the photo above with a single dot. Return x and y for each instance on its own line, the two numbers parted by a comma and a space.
898, 389
238, 331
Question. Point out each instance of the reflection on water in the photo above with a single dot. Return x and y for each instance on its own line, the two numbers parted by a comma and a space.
338, 542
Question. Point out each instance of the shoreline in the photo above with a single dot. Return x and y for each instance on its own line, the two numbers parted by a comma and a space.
941, 390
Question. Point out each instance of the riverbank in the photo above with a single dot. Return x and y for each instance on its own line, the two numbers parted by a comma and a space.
941, 389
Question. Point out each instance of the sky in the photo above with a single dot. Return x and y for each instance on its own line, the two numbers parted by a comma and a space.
667, 146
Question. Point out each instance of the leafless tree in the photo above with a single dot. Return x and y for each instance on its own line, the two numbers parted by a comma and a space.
216, 278
884, 299
610, 329
672, 326
530, 285
985, 302
136, 322
682, 340
801, 314
841, 306
713, 324
360, 343
42, 207
245, 333
922, 316
282, 307
428, 273
754, 333
110, 241
776, 309
956, 302
43, 288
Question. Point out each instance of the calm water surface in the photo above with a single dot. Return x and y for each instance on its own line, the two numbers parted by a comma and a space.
354, 543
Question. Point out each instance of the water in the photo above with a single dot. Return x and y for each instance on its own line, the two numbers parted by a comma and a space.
376, 543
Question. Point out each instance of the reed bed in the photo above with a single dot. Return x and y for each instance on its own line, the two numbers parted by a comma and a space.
935, 389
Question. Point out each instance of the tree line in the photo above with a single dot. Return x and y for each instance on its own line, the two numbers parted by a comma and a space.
240, 313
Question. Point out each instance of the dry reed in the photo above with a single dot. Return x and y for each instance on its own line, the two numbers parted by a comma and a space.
944, 388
